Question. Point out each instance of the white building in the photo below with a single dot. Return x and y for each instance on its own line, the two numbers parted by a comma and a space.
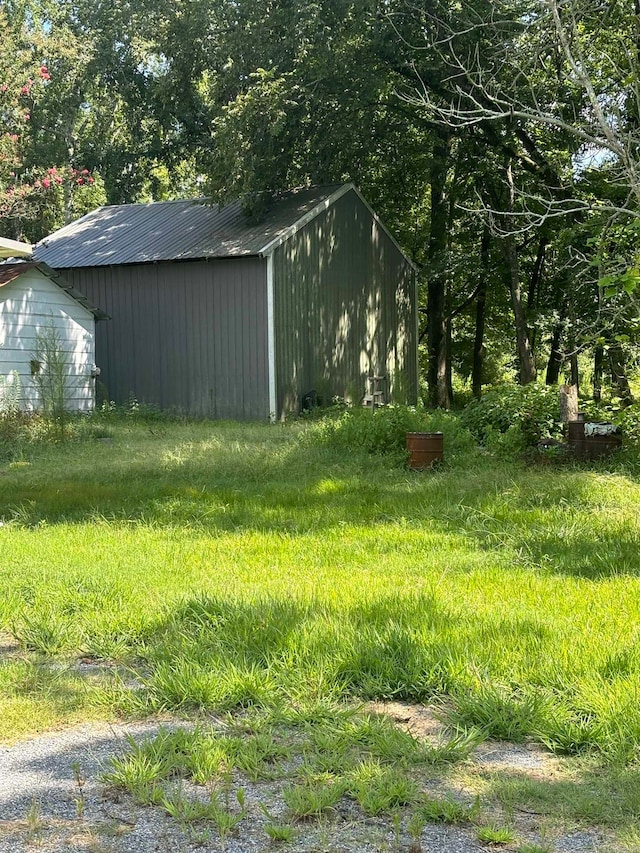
36, 305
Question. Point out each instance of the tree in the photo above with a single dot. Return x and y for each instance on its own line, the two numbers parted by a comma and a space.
37, 193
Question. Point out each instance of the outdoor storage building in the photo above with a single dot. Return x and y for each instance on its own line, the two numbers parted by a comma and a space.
40, 313
216, 315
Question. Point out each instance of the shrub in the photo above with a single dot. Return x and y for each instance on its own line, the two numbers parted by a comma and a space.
628, 419
383, 431
134, 410
17, 430
514, 416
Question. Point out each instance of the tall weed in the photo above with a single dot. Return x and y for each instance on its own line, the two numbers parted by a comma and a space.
383, 431
516, 416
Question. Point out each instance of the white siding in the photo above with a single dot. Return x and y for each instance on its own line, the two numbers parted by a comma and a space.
30, 304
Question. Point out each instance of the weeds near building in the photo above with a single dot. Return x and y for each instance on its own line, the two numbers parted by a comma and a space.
51, 377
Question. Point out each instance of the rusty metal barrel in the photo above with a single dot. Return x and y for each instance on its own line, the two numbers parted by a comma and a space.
426, 449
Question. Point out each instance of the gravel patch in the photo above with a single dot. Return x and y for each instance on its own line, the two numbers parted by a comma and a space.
41, 802
580, 842
52, 799
511, 756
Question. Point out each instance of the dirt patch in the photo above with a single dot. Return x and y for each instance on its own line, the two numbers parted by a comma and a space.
423, 722
9, 647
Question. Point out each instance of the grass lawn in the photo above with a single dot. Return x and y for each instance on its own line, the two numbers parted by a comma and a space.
223, 566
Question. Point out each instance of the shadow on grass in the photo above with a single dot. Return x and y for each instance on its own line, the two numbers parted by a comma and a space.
253, 480
217, 654
590, 794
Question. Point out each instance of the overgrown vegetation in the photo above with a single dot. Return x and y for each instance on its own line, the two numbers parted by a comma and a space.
209, 568
514, 416
383, 431
286, 747
352, 578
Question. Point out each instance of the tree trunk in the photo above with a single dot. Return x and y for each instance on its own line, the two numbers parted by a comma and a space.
598, 369
556, 355
481, 307
446, 395
536, 275
533, 295
573, 350
568, 403
527, 366
619, 374
573, 360
437, 260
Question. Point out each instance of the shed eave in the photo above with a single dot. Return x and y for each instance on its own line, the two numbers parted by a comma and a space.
274, 244
14, 248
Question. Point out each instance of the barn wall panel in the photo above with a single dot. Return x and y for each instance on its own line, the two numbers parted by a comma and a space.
345, 309
189, 336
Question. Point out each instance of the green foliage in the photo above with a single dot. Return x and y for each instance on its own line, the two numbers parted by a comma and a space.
186, 810
280, 832
501, 713
628, 419
383, 431
253, 567
312, 798
495, 835
133, 409
18, 429
51, 376
46, 631
512, 417
378, 788
448, 810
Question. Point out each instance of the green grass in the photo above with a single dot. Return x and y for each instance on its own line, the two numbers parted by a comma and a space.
447, 810
495, 835
227, 566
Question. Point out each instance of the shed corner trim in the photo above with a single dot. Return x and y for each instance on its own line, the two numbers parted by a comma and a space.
271, 342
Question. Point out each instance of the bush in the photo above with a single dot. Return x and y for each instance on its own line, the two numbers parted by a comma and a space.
628, 419
22, 432
134, 410
16, 429
383, 431
513, 417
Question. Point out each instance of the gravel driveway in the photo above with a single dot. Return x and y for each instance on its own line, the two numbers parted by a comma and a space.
52, 799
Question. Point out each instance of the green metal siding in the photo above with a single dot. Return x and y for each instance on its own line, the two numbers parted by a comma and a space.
188, 335
344, 302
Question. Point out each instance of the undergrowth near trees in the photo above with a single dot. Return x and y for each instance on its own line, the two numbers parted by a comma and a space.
510, 418
383, 431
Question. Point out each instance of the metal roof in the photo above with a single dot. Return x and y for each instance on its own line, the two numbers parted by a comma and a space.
10, 271
180, 230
